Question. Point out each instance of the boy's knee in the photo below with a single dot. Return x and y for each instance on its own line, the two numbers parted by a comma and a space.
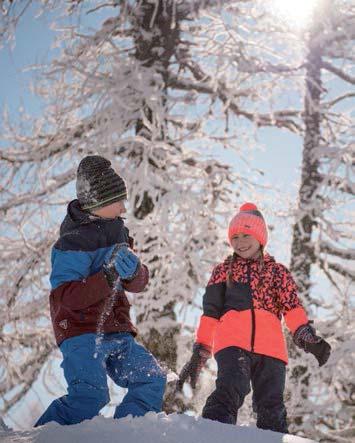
102, 399
91, 406
161, 381
157, 381
156, 386
90, 398
150, 393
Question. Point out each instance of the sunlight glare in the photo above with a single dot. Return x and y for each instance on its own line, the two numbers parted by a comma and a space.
297, 12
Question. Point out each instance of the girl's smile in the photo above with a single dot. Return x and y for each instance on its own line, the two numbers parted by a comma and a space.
246, 246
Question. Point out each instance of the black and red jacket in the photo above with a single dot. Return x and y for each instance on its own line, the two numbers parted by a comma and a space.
246, 310
81, 300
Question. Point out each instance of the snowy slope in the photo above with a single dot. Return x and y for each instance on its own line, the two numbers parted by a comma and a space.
153, 428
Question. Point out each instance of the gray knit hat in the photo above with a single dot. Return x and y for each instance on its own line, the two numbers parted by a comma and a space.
97, 184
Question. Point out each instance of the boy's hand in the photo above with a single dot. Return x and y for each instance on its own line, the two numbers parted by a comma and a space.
120, 262
126, 263
305, 338
192, 368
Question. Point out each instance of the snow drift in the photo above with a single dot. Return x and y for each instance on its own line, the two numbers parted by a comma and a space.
152, 428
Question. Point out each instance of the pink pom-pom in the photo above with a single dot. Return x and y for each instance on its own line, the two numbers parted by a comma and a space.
248, 207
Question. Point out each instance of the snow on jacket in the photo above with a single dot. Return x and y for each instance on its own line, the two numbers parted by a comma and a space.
246, 312
81, 300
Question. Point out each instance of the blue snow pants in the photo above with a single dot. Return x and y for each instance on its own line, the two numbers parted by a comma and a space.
87, 360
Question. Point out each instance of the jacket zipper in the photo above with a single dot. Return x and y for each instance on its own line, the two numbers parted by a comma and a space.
253, 326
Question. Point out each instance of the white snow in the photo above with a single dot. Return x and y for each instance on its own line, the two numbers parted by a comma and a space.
152, 428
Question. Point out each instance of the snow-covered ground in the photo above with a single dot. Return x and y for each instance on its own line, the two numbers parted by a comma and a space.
153, 428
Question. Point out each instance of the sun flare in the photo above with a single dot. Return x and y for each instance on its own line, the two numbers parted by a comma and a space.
296, 12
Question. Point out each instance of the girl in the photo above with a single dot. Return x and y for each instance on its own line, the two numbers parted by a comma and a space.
245, 299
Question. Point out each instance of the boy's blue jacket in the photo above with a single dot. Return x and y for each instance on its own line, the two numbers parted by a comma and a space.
81, 300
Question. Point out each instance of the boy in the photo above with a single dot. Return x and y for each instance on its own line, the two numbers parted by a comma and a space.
92, 265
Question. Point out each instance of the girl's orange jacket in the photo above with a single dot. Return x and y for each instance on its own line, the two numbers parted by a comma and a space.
246, 310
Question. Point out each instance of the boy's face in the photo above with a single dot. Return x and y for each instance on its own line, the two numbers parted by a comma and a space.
246, 246
111, 211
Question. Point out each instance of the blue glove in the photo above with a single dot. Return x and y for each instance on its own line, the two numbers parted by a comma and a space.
126, 263
121, 261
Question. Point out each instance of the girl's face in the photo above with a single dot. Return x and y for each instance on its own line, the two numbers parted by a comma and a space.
246, 246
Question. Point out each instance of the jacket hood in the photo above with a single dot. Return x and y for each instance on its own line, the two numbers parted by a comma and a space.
74, 218
77, 217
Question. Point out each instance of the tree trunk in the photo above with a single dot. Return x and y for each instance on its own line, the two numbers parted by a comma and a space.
302, 249
156, 38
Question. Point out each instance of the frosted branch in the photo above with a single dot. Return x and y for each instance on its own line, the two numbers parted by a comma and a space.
338, 72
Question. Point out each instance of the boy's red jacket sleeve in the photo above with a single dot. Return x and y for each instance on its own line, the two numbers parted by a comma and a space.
139, 282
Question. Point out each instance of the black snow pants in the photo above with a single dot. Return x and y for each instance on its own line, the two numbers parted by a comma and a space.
236, 369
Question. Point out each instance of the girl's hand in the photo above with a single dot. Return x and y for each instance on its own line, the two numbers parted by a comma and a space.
320, 350
305, 338
192, 368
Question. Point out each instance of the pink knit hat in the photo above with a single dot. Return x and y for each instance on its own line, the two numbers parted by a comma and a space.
249, 220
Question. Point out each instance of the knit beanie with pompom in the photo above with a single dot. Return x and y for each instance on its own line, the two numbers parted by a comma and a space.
249, 220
